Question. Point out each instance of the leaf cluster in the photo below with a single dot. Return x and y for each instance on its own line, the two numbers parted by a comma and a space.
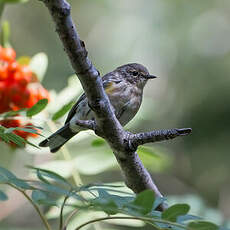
51, 189
7, 134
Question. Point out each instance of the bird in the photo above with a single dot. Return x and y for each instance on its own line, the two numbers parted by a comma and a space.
124, 87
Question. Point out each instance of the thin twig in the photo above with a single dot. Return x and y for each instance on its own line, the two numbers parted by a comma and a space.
61, 212
146, 219
69, 218
36, 207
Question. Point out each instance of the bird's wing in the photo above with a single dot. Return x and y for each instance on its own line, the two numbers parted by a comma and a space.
106, 79
110, 78
74, 108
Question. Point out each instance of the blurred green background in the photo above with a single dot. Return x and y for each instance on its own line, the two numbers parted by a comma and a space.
186, 44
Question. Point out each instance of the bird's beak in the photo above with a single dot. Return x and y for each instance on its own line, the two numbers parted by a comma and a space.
150, 76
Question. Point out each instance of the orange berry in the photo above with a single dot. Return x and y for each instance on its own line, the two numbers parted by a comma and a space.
8, 54
8, 123
19, 88
3, 71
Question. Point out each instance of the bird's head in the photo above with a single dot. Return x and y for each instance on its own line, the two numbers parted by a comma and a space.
135, 73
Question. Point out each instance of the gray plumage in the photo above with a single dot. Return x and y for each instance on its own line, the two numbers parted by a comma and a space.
124, 87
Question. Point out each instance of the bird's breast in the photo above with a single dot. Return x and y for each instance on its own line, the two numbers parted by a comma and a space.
121, 94
126, 102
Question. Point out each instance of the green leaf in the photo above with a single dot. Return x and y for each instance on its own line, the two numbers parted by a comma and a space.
61, 112
145, 201
30, 143
164, 226
20, 183
120, 201
3, 136
28, 130
41, 197
55, 190
98, 142
105, 202
41, 178
6, 173
16, 139
10, 130
38, 65
187, 217
158, 201
34, 126
155, 214
49, 203
202, 225
61, 167
3, 179
12, 113
115, 188
175, 211
8, 177
41, 173
108, 206
38, 196
3, 196
5, 34
37, 108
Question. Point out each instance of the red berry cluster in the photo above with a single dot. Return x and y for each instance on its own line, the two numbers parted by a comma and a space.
13, 123
19, 88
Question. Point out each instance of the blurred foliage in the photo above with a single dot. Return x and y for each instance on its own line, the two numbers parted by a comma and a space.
186, 44
107, 198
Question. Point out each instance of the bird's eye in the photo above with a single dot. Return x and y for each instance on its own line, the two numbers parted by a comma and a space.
135, 73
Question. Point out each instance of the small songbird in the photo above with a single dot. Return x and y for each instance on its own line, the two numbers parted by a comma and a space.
124, 87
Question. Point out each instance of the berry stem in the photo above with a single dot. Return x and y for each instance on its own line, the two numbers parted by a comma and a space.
36, 207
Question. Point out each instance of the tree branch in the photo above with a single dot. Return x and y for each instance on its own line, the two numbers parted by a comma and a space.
155, 136
88, 124
122, 143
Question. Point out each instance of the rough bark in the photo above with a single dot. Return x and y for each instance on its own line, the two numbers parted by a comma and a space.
123, 143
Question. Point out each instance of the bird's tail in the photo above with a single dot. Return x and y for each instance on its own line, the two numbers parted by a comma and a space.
57, 139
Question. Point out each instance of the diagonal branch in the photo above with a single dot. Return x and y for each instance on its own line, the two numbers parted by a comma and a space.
122, 143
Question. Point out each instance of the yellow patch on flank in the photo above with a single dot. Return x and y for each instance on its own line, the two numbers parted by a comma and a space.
110, 88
